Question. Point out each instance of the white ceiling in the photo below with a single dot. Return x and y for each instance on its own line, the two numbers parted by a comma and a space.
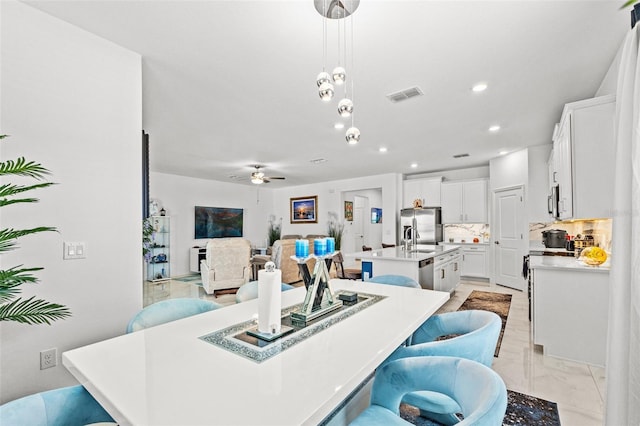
227, 84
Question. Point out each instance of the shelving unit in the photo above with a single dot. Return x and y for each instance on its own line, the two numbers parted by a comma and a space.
158, 266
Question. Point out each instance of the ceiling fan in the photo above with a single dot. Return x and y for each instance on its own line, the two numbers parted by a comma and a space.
258, 176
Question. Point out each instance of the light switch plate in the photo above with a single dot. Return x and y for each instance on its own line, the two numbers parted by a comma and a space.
74, 250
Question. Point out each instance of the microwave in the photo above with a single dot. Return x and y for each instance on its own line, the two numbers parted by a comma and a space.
553, 202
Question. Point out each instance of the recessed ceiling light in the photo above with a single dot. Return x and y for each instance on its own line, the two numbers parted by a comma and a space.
494, 128
503, 152
414, 165
338, 126
479, 87
382, 149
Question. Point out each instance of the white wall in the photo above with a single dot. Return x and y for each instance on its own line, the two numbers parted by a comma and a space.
509, 170
610, 80
372, 231
179, 195
71, 101
330, 199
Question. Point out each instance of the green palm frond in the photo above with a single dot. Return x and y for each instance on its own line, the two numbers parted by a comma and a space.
8, 236
22, 167
13, 308
12, 278
8, 190
628, 3
33, 312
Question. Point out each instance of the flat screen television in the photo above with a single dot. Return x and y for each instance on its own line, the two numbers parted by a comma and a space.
218, 222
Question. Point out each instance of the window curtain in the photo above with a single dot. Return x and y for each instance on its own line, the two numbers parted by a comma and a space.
623, 349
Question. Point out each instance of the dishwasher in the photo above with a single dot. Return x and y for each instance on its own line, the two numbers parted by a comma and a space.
425, 273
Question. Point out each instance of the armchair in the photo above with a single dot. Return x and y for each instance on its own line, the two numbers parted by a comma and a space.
227, 264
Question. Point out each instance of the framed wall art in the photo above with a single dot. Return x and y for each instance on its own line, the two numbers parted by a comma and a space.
376, 215
348, 211
304, 209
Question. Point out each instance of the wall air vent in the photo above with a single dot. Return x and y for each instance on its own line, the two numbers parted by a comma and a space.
460, 155
405, 94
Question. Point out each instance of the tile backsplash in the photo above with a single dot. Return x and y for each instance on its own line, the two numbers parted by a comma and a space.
599, 229
467, 232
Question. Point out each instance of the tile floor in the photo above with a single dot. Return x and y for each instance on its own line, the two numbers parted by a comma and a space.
577, 388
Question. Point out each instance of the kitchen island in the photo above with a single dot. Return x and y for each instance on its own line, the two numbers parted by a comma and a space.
435, 267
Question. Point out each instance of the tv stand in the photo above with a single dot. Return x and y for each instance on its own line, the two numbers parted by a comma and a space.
196, 254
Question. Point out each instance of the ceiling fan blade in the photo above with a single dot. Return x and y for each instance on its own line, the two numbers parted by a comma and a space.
277, 177
265, 180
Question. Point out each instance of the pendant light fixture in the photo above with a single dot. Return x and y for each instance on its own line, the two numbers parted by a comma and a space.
338, 10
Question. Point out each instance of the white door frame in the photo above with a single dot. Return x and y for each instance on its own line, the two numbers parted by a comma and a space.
523, 248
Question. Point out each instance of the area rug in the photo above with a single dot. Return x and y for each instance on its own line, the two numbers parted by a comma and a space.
522, 410
493, 302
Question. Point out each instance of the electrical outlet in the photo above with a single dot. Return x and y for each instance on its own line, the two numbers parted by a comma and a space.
48, 358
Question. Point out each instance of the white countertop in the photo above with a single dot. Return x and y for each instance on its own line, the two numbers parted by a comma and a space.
565, 262
166, 375
468, 243
416, 254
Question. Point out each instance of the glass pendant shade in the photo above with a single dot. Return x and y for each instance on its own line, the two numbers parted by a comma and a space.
353, 135
323, 77
339, 75
326, 91
345, 107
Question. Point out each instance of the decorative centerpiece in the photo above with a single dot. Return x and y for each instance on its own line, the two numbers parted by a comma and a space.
320, 299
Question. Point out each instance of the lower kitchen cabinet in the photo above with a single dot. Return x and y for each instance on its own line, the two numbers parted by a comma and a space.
570, 313
446, 271
475, 261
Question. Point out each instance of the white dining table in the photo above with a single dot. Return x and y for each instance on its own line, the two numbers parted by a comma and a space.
169, 375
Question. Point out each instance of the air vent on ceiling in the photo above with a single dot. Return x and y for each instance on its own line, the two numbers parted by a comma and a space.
460, 155
405, 94
318, 161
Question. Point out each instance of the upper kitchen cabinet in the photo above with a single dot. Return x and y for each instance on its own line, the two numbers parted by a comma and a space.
427, 190
583, 158
464, 201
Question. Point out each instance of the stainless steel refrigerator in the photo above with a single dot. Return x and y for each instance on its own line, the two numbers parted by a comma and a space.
427, 222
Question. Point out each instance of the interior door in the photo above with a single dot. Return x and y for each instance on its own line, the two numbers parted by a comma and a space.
509, 237
358, 228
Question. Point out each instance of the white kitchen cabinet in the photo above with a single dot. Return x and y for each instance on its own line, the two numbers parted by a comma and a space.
570, 313
464, 201
427, 190
474, 261
563, 168
584, 158
446, 271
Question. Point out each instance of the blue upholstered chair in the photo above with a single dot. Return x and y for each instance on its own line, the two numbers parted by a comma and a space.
477, 390
169, 310
399, 280
68, 406
477, 335
250, 291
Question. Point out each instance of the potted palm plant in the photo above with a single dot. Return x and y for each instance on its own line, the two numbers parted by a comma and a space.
335, 227
274, 230
13, 307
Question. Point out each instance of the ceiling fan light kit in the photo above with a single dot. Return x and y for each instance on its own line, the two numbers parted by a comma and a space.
338, 10
259, 178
